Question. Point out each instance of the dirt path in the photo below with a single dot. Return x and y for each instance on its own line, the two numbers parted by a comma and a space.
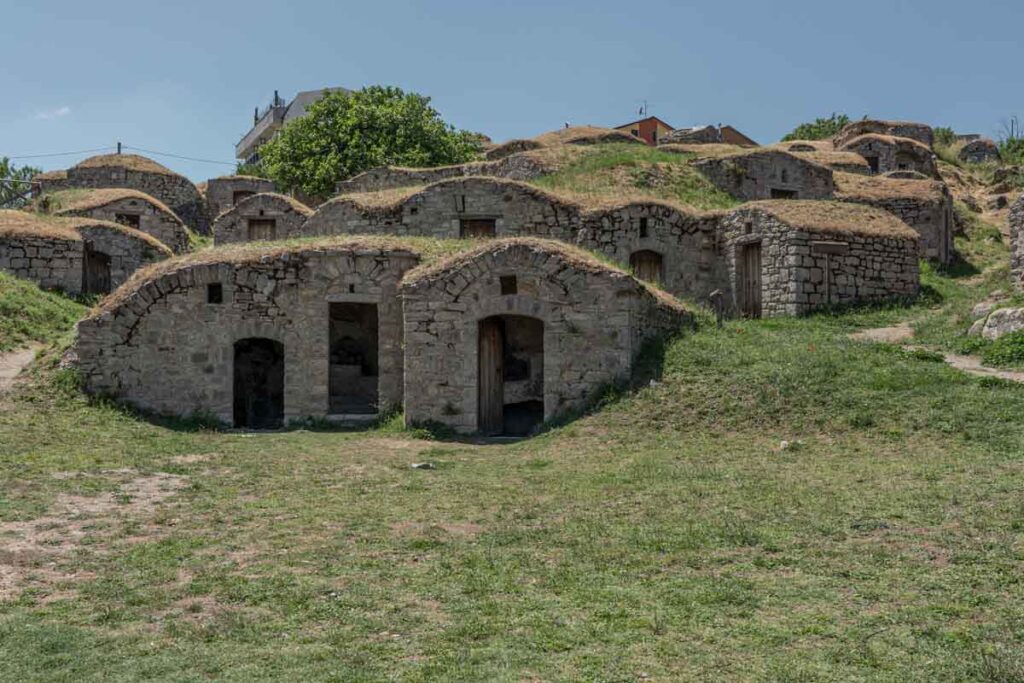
973, 366
12, 363
904, 332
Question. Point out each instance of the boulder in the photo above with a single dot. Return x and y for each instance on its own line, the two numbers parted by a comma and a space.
1002, 322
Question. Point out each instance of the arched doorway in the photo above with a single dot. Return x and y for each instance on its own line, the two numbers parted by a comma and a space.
646, 265
95, 270
510, 375
259, 383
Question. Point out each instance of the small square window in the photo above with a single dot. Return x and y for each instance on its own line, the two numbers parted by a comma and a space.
748, 228
643, 227
215, 293
509, 285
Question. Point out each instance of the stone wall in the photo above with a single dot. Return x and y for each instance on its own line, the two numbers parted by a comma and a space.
220, 192
55, 261
440, 209
287, 214
51, 262
688, 244
153, 220
894, 154
164, 347
515, 167
1016, 219
978, 151
930, 215
594, 320
901, 129
767, 174
793, 275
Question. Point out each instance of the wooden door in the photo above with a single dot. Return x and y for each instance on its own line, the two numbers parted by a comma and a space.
474, 228
646, 265
262, 229
95, 271
491, 383
748, 279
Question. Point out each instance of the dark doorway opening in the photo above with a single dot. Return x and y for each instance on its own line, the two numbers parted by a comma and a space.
354, 369
95, 270
647, 265
259, 383
262, 229
777, 193
748, 279
873, 163
511, 375
477, 227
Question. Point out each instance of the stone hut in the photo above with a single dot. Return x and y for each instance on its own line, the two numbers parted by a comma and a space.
920, 132
256, 336
1016, 220
823, 153
76, 255
137, 173
573, 135
671, 245
523, 166
131, 208
472, 207
260, 218
767, 174
227, 191
515, 332
977, 151
792, 257
924, 205
886, 153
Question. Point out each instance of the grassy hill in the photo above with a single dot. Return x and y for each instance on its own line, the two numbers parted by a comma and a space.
781, 503
632, 170
29, 314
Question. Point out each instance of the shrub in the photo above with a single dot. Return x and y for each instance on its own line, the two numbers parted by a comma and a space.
1007, 351
820, 129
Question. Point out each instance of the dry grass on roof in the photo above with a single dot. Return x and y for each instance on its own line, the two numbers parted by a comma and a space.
708, 151
835, 217
855, 186
294, 203
51, 175
83, 199
584, 134
889, 140
819, 145
575, 257
23, 223
132, 162
426, 249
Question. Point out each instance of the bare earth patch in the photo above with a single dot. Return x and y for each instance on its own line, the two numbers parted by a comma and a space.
34, 553
12, 363
889, 335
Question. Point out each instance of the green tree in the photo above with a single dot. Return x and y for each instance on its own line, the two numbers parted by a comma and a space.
821, 129
13, 183
945, 136
255, 170
344, 134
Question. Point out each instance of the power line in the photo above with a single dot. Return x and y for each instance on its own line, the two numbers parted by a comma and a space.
58, 154
178, 156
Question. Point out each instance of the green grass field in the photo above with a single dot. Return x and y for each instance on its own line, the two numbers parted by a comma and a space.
781, 503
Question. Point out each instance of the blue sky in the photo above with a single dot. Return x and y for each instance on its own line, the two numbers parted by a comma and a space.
183, 77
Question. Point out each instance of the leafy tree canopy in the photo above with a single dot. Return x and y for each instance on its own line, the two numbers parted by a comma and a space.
821, 129
12, 192
344, 134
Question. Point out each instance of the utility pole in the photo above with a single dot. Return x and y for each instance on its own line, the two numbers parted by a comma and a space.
118, 147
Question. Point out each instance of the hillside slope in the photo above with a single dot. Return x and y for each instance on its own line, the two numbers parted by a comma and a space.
29, 314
